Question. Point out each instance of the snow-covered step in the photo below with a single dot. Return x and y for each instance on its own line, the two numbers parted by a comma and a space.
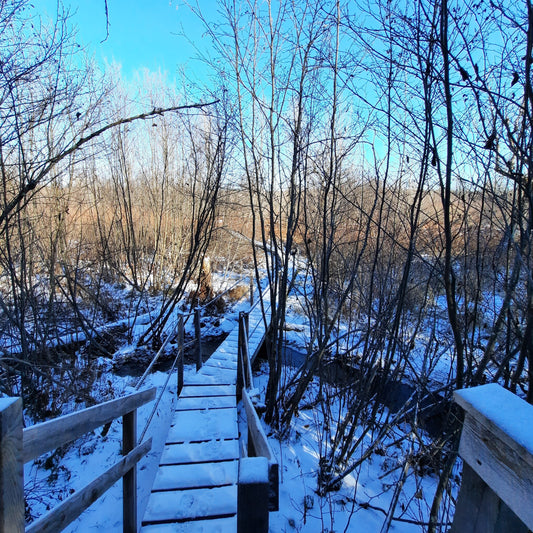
205, 402
196, 475
224, 364
204, 425
201, 378
191, 504
227, 376
207, 390
196, 452
195, 489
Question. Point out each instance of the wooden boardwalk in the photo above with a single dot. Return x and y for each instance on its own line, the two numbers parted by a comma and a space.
195, 488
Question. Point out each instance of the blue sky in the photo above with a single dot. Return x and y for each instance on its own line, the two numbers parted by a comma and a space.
142, 34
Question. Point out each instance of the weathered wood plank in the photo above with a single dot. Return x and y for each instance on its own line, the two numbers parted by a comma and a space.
243, 351
62, 515
499, 466
255, 429
252, 496
504, 413
191, 504
199, 475
49, 435
494, 443
129, 481
258, 445
11, 466
480, 510
198, 337
217, 525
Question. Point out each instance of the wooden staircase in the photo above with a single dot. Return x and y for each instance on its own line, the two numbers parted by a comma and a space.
195, 488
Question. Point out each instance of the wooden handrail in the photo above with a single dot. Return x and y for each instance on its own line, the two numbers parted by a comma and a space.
67, 511
49, 435
11, 466
257, 440
18, 447
497, 448
258, 446
198, 337
257, 494
181, 335
244, 350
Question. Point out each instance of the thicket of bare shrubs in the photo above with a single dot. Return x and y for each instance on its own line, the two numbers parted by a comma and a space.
377, 166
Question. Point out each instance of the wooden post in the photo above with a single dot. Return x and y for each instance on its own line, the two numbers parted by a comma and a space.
258, 446
479, 509
129, 481
243, 355
240, 367
497, 449
247, 324
198, 334
11, 466
180, 353
252, 495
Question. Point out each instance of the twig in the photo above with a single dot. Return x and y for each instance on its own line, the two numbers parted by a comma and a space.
366, 505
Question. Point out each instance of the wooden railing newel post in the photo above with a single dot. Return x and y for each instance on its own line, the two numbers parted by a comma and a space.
247, 324
11, 466
252, 495
180, 353
240, 366
497, 451
244, 337
251, 291
129, 481
198, 334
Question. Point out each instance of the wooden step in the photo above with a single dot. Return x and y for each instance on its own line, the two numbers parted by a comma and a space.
197, 475
209, 402
216, 525
196, 452
195, 426
191, 504
189, 391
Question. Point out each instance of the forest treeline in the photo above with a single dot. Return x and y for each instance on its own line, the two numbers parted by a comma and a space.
380, 152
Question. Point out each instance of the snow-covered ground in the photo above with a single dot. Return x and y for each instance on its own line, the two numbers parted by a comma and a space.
360, 504
93, 454
365, 496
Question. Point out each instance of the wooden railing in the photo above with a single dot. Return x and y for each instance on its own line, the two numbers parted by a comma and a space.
18, 446
258, 489
496, 494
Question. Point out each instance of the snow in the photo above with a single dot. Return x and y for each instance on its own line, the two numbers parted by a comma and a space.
364, 496
201, 425
195, 475
92, 455
504, 409
198, 502
6, 402
301, 509
360, 504
253, 470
